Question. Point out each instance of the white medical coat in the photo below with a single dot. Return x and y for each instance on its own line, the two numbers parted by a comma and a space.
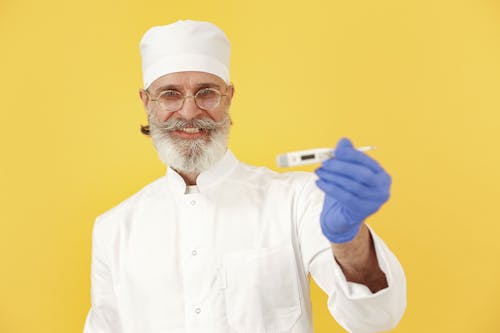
234, 257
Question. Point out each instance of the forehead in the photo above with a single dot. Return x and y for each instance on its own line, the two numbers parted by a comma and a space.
186, 81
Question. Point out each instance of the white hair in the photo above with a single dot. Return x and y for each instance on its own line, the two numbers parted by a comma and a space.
191, 156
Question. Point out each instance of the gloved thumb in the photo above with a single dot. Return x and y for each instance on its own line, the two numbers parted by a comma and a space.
342, 144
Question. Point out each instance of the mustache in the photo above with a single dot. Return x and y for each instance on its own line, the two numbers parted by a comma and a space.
179, 124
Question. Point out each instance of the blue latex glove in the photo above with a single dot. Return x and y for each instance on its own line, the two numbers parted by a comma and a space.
355, 187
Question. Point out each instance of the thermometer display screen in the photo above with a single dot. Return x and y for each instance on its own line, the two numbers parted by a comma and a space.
307, 157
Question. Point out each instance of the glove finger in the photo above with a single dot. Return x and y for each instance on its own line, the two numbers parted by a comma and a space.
357, 157
383, 179
354, 187
359, 173
344, 197
344, 143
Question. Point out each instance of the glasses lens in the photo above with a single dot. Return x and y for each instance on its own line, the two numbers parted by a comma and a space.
170, 100
207, 99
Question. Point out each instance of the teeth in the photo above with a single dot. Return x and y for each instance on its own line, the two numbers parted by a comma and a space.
190, 130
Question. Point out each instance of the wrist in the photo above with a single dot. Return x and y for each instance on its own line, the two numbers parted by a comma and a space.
358, 261
355, 251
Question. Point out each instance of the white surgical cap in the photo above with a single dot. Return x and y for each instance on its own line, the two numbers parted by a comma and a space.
184, 46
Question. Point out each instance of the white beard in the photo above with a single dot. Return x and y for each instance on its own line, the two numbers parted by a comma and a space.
191, 156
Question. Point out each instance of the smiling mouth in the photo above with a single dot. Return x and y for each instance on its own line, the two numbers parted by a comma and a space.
191, 130
191, 133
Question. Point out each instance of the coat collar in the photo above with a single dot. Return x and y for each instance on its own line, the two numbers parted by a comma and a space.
215, 174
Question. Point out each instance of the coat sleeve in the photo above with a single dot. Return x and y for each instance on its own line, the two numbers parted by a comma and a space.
103, 315
352, 305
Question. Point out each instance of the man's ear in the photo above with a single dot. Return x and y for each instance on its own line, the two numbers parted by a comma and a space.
230, 93
144, 99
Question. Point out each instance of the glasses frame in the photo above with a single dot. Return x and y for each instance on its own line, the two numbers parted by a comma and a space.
184, 97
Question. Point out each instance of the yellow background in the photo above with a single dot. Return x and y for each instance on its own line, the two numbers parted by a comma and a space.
419, 79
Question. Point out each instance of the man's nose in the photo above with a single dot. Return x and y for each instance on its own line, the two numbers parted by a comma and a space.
190, 110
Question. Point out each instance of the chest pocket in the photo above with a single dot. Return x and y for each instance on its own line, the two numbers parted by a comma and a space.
262, 290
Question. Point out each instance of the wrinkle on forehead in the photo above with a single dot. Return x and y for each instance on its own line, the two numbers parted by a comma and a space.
187, 81
193, 87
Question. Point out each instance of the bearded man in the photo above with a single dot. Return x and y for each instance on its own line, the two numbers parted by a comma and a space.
217, 245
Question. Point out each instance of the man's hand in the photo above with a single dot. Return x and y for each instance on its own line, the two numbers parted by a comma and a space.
355, 187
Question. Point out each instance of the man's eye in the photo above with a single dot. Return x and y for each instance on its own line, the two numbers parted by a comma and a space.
206, 93
170, 93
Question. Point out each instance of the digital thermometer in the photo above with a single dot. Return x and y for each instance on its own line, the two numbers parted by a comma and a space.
310, 156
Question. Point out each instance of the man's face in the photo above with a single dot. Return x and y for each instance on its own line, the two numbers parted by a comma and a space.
191, 139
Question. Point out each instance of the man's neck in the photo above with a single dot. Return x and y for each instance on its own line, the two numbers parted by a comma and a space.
189, 178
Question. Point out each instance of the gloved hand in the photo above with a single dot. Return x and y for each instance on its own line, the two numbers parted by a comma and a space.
355, 187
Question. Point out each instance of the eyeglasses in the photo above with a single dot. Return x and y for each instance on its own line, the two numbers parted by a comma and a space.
171, 100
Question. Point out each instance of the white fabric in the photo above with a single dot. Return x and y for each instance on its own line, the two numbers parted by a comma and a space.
234, 256
192, 189
184, 46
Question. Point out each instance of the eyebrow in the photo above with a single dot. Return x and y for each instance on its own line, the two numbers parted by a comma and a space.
178, 87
